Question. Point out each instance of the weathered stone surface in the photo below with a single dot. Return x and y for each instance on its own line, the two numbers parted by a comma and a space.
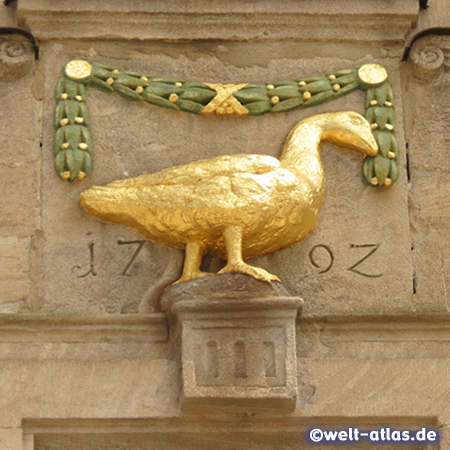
79, 389
358, 388
445, 437
19, 181
8, 16
14, 273
11, 438
19, 184
432, 279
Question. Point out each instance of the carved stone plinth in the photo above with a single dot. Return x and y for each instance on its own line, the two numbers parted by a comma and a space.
237, 339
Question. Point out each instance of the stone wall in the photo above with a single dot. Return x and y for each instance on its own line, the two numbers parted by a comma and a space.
89, 359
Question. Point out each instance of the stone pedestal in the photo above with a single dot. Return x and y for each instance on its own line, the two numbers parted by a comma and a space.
237, 340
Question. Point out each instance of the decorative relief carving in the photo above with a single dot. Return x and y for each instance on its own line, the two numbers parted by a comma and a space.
16, 56
428, 56
236, 335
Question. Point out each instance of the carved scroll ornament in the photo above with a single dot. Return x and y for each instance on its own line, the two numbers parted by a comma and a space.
16, 56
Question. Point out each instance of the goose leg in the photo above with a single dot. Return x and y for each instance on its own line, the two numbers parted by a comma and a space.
192, 261
235, 262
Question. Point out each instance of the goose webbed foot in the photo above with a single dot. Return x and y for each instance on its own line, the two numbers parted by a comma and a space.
255, 272
235, 263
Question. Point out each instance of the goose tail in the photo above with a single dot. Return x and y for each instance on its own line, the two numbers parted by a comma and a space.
102, 202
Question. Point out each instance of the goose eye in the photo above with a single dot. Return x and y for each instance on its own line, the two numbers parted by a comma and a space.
357, 121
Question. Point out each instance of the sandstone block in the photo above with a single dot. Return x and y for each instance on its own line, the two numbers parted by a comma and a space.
14, 273
427, 100
371, 266
19, 183
356, 388
11, 439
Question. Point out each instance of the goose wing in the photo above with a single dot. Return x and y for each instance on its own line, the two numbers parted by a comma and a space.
195, 172
228, 183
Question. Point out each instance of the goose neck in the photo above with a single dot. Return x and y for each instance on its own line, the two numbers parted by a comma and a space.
301, 151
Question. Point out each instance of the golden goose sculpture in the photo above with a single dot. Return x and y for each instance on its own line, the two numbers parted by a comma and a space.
235, 207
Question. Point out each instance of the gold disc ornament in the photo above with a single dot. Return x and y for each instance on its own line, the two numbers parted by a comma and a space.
372, 74
78, 69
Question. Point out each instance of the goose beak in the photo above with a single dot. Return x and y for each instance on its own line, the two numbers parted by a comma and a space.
361, 140
365, 143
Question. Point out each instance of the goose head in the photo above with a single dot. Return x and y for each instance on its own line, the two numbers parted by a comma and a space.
351, 130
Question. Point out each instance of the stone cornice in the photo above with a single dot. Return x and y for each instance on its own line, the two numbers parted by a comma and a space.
430, 327
234, 20
148, 328
126, 328
212, 423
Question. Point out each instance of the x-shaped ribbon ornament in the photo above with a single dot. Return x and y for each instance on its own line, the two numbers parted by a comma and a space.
224, 102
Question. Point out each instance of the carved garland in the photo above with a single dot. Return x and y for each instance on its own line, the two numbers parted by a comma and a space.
73, 143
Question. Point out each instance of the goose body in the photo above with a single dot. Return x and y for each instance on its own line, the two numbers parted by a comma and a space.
234, 207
